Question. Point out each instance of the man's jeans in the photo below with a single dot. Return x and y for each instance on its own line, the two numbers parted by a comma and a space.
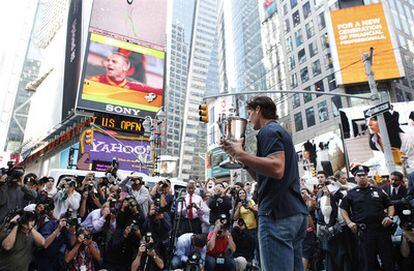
280, 242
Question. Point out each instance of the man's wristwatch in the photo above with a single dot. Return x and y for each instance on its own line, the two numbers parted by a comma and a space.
390, 217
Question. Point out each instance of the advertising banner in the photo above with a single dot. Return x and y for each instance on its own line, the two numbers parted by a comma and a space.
354, 31
363, 140
123, 72
72, 58
132, 153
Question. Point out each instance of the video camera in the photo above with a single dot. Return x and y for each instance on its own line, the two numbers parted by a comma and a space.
13, 173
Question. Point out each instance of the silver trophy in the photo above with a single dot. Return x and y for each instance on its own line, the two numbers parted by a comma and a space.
232, 128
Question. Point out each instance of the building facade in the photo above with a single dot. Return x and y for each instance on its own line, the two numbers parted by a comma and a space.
193, 138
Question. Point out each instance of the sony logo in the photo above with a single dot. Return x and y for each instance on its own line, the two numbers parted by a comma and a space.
122, 110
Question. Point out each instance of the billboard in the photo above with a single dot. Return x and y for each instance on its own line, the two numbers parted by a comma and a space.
72, 58
352, 32
363, 140
132, 153
123, 70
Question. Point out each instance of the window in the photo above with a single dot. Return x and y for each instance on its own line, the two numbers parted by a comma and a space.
287, 25
325, 41
302, 56
316, 68
310, 31
323, 111
307, 97
310, 116
289, 44
331, 82
299, 38
285, 9
321, 21
306, 10
293, 3
328, 61
293, 80
296, 18
319, 87
291, 63
313, 48
296, 100
336, 105
304, 74
298, 121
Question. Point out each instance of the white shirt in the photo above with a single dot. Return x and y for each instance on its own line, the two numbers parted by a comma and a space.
72, 202
197, 200
96, 221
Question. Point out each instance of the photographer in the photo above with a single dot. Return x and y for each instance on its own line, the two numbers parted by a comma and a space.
91, 198
121, 246
148, 258
84, 254
97, 218
219, 204
57, 238
192, 211
138, 191
67, 198
129, 212
219, 240
245, 245
161, 191
11, 193
160, 227
187, 245
17, 242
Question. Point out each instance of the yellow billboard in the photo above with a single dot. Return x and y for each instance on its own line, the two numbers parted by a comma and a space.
353, 31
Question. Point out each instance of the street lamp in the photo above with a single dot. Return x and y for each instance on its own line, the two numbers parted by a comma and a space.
152, 129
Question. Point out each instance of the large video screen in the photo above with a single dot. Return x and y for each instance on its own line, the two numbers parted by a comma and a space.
363, 140
123, 67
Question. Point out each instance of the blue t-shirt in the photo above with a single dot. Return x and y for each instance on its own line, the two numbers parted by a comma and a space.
279, 198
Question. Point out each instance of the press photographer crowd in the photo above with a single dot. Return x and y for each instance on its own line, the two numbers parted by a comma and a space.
118, 224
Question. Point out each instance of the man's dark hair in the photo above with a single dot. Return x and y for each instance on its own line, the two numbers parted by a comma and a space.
322, 172
267, 106
398, 174
199, 240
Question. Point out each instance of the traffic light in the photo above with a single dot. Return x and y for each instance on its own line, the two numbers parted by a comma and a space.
89, 136
203, 112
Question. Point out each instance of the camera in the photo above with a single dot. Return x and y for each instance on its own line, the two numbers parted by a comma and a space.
13, 173
134, 225
245, 203
193, 262
157, 205
149, 244
73, 221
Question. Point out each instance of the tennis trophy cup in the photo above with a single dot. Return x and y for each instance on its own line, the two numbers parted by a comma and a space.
232, 128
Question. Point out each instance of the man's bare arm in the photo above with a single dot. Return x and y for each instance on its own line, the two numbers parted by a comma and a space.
272, 165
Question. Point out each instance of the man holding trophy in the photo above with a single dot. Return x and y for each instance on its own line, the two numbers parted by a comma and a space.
282, 211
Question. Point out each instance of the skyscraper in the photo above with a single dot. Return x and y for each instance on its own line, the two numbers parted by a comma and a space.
201, 76
178, 45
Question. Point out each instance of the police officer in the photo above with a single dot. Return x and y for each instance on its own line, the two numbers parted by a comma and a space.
363, 212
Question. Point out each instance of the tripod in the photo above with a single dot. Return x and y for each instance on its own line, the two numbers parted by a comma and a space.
176, 228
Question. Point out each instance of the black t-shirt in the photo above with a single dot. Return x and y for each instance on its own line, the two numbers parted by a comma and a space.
366, 205
219, 205
279, 198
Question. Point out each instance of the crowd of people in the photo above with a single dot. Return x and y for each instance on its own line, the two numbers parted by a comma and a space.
107, 223
112, 224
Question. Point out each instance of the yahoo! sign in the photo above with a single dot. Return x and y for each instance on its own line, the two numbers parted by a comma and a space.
131, 153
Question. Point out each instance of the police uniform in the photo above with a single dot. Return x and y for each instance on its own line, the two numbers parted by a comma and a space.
365, 207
